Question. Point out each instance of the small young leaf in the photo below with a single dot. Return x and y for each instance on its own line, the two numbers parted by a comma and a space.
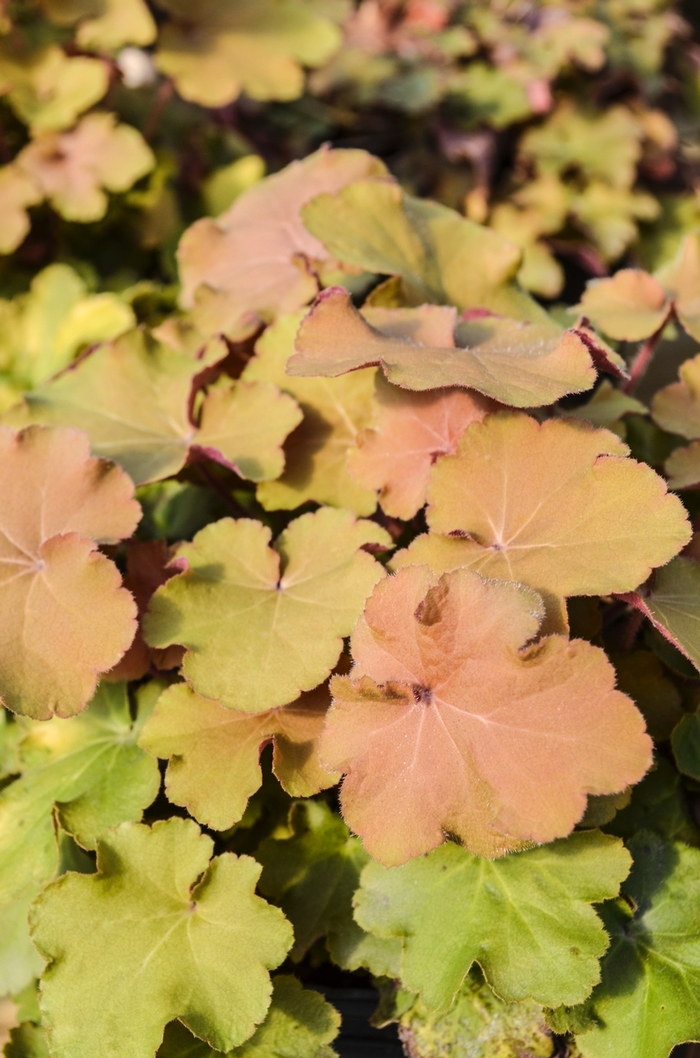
519, 363
526, 918
214, 752
188, 932
241, 608
630, 305
448, 726
65, 616
649, 996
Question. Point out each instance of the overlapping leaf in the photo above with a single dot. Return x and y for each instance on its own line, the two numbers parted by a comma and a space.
257, 260
65, 616
648, 1000
200, 952
223, 47
556, 506
214, 752
676, 408
133, 397
47, 89
410, 431
526, 918
519, 363
673, 605
376, 227
335, 411
241, 608
448, 726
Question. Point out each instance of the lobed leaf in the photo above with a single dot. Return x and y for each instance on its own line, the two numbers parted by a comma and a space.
65, 616
160, 913
629, 306
257, 260
47, 89
448, 726
526, 919
519, 363
676, 408
241, 607
213, 752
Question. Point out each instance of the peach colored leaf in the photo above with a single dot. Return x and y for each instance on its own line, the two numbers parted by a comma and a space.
216, 49
260, 624
65, 616
683, 467
523, 364
214, 752
335, 411
146, 569
676, 408
681, 278
132, 396
629, 306
17, 192
557, 506
447, 725
410, 432
74, 169
255, 261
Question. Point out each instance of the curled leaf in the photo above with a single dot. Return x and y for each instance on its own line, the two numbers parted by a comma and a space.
447, 725
65, 616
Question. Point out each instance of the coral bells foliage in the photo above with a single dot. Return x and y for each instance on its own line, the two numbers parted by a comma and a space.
378, 557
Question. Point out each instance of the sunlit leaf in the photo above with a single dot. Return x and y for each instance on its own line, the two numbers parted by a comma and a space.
257, 260
90, 768
607, 408
447, 725
526, 919
65, 616
630, 305
335, 411
241, 607
523, 364
190, 931
223, 47
214, 752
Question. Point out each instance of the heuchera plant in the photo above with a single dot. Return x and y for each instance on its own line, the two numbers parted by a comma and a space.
349, 598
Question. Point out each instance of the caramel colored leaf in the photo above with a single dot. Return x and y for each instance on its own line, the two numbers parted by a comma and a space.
683, 467
17, 192
448, 725
90, 770
523, 364
410, 431
254, 262
162, 913
335, 411
373, 225
556, 506
630, 305
606, 408
241, 608
220, 48
676, 408
214, 752
526, 918
47, 89
65, 616
673, 605
74, 169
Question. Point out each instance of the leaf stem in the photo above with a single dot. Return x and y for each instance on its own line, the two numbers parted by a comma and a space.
645, 354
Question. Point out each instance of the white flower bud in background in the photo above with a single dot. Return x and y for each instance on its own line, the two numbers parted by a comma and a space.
136, 67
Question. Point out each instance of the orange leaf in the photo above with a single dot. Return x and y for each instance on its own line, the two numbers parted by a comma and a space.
64, 615
449, 724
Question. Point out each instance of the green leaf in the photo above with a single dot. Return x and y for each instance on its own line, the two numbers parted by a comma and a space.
299, 1024
160, 933
48, 90
90, 768
27, 1041
313, 875
640, 674
374, 226
649, 996
673, 605
685, 743
241, 608
525, 918
658, 803
19, 960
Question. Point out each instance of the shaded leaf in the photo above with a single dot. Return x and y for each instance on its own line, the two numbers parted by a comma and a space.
640, 675
257, 260
447, 726
65, 616
685, 743
241, 608
191, 931
526, 919
523, 364
658, 803
214, 752
676, 408
90, 769
673, 605
683, 467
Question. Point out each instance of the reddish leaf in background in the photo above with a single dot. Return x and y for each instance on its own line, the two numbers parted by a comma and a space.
411, 431
447, 725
